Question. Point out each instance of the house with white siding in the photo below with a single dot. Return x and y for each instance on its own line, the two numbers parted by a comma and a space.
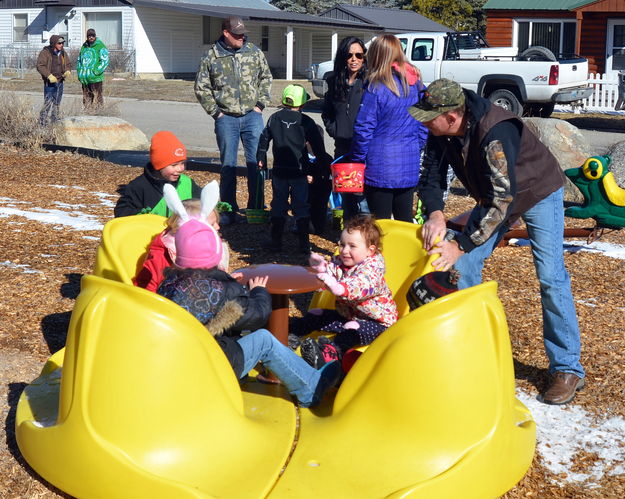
167, 38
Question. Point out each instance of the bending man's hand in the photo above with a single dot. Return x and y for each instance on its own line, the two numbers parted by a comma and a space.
434, 228
449, 253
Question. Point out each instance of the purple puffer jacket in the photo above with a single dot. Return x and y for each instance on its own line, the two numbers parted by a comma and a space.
387, 139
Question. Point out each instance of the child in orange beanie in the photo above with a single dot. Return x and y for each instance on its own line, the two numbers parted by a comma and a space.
167, 162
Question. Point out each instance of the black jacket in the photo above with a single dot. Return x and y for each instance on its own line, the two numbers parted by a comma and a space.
502, 164
339, 115
290, 131
219, 302
144, 192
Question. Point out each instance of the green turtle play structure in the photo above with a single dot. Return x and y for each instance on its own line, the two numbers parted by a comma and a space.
604, 200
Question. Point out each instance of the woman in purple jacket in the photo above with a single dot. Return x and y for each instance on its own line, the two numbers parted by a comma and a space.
386, 138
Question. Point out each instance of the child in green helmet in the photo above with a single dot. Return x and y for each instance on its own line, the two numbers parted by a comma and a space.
291, 132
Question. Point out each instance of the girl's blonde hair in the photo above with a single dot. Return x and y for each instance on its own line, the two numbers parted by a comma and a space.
193, 207
385, 51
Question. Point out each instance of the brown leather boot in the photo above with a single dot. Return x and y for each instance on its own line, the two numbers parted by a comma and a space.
562, 388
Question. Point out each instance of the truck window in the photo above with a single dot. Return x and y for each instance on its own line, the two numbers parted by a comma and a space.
422, 49
404, 43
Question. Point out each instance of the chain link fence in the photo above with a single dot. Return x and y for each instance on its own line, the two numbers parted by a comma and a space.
16, 60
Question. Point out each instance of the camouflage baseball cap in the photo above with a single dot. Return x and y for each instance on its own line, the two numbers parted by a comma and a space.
234, 24
441, 96
294, 96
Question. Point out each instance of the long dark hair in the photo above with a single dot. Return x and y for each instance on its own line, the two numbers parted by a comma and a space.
341, 73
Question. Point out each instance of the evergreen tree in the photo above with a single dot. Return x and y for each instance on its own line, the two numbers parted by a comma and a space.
455, 14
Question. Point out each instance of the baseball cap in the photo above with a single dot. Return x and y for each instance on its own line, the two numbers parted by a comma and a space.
294, 95
234, 24
441, 96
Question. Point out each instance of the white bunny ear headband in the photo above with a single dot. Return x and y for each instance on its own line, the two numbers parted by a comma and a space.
208, 201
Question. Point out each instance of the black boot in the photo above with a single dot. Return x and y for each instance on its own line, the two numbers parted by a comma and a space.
303, 243
277, 228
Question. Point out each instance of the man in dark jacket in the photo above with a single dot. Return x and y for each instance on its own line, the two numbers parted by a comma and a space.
53, 66
510, 174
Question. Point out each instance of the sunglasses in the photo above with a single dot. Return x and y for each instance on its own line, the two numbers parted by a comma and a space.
90, 36
358, 55
238, 37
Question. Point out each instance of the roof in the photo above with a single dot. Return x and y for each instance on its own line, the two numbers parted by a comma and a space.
535, 4
389, 19
244, 4
263, 15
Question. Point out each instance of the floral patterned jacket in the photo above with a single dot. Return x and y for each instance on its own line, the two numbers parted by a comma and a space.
366, 296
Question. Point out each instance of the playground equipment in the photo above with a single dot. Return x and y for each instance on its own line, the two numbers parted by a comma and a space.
143, 403
604, 200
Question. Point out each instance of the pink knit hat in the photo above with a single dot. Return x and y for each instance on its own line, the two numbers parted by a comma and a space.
198, 246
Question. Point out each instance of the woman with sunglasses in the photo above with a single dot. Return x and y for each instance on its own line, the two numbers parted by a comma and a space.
340, 107
386, 138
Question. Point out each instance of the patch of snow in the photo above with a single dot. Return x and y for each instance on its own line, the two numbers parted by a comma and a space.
606, 249
70, 206
77, 221
563, 431
25, 268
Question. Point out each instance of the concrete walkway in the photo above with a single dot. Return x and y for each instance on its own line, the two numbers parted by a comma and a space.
196, 129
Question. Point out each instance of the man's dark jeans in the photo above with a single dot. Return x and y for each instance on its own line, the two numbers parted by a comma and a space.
52, 95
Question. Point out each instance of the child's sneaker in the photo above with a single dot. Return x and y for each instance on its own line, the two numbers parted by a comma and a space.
312, 353
294, 341
328, 349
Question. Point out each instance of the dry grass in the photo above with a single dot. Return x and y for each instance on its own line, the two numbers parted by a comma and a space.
37, 299
19, 122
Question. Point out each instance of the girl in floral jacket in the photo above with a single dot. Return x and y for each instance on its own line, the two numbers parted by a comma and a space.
364, 302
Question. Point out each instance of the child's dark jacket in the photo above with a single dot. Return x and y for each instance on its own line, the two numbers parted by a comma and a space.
144, 193
290, 130
219, 302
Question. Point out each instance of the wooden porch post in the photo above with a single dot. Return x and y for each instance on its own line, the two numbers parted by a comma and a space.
335, 43
579, 17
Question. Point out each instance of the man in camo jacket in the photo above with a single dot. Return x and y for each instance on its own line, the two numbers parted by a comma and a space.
233, 85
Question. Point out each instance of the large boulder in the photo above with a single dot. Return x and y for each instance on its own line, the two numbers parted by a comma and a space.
100, 132
566, 143
617, 153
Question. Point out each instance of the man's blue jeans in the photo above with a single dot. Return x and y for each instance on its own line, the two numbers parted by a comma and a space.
297, 375
52, 95
545, 227
229, 130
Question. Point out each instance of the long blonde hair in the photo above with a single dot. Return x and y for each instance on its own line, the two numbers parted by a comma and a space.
385, 51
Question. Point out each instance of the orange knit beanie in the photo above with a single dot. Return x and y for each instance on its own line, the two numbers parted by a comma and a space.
166, 150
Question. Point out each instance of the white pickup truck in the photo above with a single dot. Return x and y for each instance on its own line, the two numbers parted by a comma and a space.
530, 83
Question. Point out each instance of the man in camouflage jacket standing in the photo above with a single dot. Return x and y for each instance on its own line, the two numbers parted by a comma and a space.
233, 85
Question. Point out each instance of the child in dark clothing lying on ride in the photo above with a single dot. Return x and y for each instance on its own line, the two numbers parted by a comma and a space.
227, 308
364, 302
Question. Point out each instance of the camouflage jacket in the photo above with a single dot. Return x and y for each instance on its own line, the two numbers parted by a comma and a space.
233, 82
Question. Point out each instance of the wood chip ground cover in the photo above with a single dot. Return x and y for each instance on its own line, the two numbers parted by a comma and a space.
52, 208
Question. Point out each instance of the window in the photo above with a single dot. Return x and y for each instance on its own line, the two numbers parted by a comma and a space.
108, 26
557, 36
422, 49
264, 39
20, 27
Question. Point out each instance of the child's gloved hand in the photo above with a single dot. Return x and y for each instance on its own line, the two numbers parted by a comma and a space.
332, 284
317, 262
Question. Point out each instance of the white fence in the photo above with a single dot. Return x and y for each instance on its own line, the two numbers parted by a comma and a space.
605, 96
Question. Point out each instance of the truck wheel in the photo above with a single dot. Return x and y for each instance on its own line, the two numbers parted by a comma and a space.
537, 53
506, 99
541, 110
